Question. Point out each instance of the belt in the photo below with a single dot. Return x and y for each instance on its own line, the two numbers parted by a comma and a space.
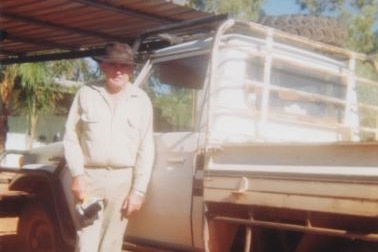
108, 167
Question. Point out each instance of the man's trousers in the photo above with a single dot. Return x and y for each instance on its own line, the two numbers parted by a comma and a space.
106, 233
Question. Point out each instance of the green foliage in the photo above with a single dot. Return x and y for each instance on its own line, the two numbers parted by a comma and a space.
74, 69
238, 9
33, 87
361, 19
173, 105
7, 76
38, 99
363, 38
360, 16
320, 6
176, 109
35, 93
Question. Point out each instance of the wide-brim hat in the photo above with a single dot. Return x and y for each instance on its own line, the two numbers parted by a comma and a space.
117, 53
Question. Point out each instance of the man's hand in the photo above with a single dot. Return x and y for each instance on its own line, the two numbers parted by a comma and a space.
78, 188
133, 203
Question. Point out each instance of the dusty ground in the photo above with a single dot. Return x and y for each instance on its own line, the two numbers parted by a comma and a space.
8, 227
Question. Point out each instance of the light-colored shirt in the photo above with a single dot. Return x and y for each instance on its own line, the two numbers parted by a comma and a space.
96, 136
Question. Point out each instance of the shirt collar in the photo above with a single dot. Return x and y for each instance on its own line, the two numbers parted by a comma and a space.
130, 90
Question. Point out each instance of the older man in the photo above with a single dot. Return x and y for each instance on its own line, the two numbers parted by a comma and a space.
109, 149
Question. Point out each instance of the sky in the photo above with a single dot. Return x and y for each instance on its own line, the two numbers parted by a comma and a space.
280, 7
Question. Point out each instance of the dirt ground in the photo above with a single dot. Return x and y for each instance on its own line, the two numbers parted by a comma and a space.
8, 226
8, 234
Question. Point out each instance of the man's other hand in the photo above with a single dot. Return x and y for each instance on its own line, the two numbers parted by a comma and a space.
132, 203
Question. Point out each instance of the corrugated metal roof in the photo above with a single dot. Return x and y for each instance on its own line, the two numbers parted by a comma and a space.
32, 30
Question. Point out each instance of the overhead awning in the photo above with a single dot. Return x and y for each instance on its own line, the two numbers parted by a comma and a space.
38, 30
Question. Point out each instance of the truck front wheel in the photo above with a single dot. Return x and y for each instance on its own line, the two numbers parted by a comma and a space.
36, 230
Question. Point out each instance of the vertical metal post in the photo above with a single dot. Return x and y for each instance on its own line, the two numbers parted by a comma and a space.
351, 106
211, 91
248, 234
248, 239
266, 79
376, 127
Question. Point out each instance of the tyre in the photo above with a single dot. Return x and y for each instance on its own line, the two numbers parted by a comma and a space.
319, 28
37, 231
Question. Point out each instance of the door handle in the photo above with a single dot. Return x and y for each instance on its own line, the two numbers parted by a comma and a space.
176, 160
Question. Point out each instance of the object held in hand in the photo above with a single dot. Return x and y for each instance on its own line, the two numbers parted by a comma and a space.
88, 211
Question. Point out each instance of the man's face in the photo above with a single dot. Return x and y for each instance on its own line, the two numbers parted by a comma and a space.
117, 75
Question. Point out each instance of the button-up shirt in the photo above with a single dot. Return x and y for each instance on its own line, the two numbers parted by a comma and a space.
97, 136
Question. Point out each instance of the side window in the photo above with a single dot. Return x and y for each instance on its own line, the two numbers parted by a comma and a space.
172, 86
173, 106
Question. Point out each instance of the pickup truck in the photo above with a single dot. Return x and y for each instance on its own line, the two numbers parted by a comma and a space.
265, 141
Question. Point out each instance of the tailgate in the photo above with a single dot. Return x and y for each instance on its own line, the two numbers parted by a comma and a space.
338, 179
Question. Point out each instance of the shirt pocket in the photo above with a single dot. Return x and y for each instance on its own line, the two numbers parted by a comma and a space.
131, 127
91, 126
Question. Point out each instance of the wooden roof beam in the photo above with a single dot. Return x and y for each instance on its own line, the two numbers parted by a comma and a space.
43, 43
65, 28
126, 11
54, 56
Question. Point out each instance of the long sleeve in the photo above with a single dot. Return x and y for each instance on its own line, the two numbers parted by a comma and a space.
146, 151
72, 149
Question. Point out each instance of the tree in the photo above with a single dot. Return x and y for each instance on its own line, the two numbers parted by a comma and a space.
239, 9
363, 37
360, 16
320, 6
35, 87
8, 76
36, 94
